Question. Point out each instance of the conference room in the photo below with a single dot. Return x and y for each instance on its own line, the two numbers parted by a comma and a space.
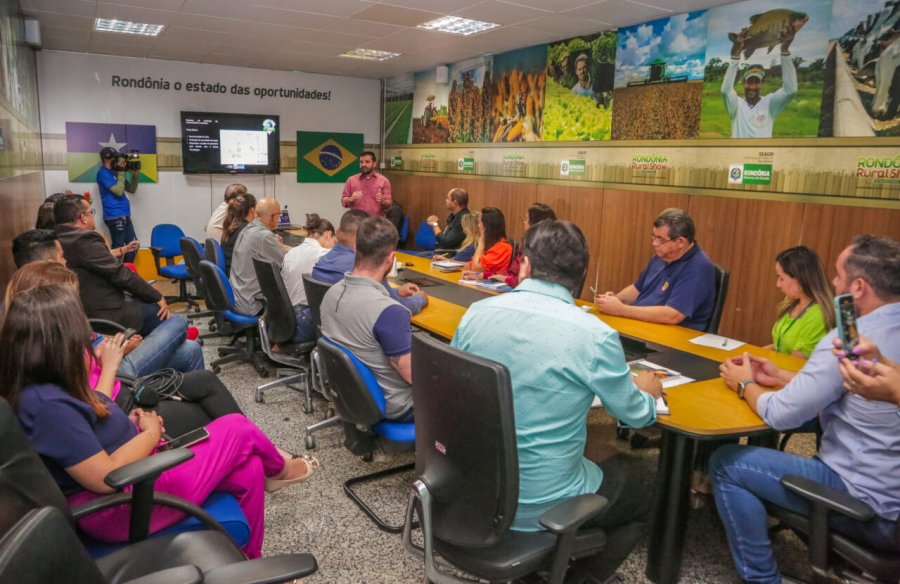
740, 135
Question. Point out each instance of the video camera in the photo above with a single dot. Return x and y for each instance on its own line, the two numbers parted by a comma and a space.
130, 160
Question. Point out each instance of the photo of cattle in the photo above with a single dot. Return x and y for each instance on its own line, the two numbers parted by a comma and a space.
862, 94
765, 69
659, 78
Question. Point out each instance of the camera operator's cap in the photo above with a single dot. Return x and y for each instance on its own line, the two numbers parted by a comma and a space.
109, 152
755, 71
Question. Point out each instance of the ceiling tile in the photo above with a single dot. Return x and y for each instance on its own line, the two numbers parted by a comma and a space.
313, 50
364, 27
135, 13
618, 12
274, 35
563, 26
334, 39
64, 21
157, 4
500, 13
440, 6
410, 41
238, 9
179, 34
57, 32
187, 47
119, 49
61, 44
229, 25
233, 60
74, 7
396, 15
116, 38
299, 19
553, 5
329, 7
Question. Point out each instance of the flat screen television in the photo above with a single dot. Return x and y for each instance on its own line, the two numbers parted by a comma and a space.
216, 143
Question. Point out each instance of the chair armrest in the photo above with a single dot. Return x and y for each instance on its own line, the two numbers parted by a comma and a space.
572, 513
188, 574
833, 500
272, 570
101, 326
157, 253
147, 468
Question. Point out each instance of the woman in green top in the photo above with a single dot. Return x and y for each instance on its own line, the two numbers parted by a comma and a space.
807, 312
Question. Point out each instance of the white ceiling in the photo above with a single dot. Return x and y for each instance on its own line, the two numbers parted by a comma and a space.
308, 35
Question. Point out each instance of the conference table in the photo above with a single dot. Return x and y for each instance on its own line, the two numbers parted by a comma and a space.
699, 411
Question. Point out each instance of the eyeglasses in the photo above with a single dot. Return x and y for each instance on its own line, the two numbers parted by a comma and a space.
88, 212
659, 240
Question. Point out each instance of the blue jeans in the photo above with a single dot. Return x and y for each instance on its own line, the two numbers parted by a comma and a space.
305, 330
164, 347
744, 476
121, 232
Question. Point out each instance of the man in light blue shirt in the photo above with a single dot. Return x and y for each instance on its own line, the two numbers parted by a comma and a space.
560, 358
860, 450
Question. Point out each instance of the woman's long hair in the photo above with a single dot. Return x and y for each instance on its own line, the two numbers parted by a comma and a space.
803, 264
316, 225
494, 226
236, 215
45, 338
469, 224
37, 274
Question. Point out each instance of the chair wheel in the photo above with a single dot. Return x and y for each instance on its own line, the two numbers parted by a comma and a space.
368, 457
310, 442
329, 414
307, 408
260, 398
199, 341
622, 433
264, 372
216, 369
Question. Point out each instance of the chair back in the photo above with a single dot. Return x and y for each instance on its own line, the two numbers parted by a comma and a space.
221, 295
279, 313
721, 294
425, 238
315, 292
465, 442
214, 253
350, 384
192, 252
167, 237
404, 230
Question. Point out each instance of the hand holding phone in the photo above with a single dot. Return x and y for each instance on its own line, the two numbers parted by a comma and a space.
185, 440
845, 314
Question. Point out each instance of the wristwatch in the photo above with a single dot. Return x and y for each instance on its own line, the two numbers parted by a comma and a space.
742, 387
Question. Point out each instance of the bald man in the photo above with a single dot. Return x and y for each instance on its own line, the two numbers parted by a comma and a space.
214, 226
256, 240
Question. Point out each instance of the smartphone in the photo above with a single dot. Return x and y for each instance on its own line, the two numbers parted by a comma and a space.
185, 440
96, 340
845, 314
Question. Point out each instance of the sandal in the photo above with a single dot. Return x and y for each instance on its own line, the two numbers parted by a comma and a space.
274, 484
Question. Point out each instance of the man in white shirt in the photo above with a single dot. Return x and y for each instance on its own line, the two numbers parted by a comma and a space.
583, 73
754, 116
214, 226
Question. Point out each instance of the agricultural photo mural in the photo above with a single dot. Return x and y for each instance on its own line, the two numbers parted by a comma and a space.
659, 78
398, 102
862, 88
765, 66
430, 121
470, 100
517, 105
580, 74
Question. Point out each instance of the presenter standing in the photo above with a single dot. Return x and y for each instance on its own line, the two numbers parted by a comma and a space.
115, 180
368, 191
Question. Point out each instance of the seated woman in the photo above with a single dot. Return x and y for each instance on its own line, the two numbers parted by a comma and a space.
536, 213
300, 260
469, 223
241, 211
807, 312
493, 252
82, 435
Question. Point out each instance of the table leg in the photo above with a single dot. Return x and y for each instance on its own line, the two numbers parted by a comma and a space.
670, 508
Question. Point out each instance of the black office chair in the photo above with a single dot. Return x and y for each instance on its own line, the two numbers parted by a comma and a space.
360, 405
825, 545
230, 322
721, 294
315, 292
37, 528
467, 465
277, 327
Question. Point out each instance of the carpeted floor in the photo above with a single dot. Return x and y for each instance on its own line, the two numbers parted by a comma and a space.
317, 517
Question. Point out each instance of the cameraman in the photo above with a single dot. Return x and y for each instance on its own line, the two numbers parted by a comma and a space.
114, 179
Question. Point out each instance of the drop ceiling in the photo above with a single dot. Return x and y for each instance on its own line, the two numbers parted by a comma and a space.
308, 35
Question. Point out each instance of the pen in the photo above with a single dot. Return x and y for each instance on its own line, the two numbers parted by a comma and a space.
724, 341
596, 280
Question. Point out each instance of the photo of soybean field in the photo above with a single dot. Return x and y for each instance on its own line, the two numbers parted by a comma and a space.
398, 93
659, 79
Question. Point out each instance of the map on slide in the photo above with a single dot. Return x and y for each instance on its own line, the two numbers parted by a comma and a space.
240, 147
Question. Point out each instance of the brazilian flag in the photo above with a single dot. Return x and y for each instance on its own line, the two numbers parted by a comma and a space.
324, 157
84, 140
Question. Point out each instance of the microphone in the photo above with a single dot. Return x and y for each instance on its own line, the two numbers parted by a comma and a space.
146, 397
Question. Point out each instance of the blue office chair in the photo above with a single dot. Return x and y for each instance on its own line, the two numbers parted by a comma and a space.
404, 230
231, 322
214, 253
165, 244
359, 402
425, 237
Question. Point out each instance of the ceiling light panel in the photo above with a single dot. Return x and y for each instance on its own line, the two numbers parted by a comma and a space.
457, 25
127, 27
370, 54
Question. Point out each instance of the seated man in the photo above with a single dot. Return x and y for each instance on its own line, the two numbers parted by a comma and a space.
554, 380
452, 235
332, 266
103, 279
256, 240
678, 286
37, 245
358, 313
860, 448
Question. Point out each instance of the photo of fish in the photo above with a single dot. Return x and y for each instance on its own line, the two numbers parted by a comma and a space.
862, 87
765, 69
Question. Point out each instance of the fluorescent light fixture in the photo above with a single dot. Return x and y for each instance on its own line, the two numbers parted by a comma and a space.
370, 54
457, 25
127, 27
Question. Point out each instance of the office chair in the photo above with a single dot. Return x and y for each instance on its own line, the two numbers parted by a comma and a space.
193, 254
37, 528
231, 322
213, 252
721, 294
425, 238
165, 244
467, 486
825, 545
315, 292
360, 404
404, 231
277, 327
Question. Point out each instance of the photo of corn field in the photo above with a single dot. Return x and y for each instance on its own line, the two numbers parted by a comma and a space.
470, 100
517, 97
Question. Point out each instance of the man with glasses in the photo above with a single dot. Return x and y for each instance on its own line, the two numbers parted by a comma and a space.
678, 286
103, 278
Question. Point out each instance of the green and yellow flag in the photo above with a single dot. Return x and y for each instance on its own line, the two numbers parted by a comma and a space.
327, 156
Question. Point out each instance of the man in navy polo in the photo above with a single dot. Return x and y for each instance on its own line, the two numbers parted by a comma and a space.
678, 286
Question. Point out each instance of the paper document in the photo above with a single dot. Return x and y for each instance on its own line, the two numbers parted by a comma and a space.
668, 378
717, 342
448, 265
487, 285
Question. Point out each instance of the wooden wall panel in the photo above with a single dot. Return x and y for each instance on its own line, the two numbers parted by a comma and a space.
625, 228
743, 236
21, 195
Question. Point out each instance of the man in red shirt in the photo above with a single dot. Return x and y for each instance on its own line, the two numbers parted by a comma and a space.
369, 191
